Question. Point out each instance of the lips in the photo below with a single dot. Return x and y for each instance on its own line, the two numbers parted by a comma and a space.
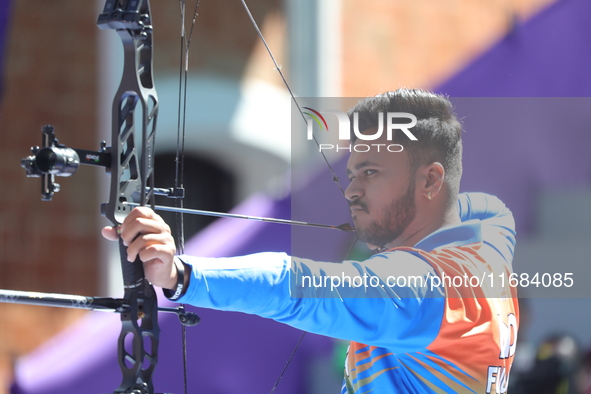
355, 208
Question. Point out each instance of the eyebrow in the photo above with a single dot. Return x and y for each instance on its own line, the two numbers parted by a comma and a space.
363, 164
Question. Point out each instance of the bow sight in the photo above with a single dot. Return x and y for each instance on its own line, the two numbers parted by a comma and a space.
54, 159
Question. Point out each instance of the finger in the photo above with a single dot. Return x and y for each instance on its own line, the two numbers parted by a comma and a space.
139, 212
135, 214
152, 246
110, 233
158, 255
143, 226
130, 230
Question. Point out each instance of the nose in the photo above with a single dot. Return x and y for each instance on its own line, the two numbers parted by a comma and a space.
353, 191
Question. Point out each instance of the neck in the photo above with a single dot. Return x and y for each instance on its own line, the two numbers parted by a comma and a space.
425, 224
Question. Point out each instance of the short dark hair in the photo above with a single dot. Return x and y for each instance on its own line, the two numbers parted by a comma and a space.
438, 131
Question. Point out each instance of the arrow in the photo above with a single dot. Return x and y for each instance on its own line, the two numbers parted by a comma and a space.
342, 227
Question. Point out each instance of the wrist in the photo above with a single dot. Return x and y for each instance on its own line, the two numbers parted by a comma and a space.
171, 282
179, 287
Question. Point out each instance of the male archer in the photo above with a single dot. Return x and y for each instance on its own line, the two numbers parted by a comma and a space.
435, 315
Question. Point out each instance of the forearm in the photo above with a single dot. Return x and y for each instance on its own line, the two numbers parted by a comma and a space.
243, 283
271, 285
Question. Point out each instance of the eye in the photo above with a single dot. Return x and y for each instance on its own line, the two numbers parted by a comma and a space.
370, 172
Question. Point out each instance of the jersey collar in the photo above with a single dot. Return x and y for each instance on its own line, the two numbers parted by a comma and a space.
463, 234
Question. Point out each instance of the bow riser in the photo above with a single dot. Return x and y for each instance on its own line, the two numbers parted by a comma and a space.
132, 181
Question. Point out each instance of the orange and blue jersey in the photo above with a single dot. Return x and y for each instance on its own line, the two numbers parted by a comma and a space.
439, 317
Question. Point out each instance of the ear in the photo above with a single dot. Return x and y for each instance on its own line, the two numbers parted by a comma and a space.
430, 180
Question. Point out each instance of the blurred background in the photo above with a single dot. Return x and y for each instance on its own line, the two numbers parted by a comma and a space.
57, 67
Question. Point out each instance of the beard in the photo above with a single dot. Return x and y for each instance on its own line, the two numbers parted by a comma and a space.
395, 218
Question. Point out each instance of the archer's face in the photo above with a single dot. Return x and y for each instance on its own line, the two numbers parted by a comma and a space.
381, 193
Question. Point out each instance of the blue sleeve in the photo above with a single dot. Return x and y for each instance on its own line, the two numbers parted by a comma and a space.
315, 296
498, 225
487, 208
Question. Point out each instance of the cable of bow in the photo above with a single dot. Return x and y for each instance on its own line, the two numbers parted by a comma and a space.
185, 43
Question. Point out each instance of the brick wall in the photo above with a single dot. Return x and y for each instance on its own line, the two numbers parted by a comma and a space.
50, 77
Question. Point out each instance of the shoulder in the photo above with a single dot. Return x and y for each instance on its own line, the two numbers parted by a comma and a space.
404, 268
402, 256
